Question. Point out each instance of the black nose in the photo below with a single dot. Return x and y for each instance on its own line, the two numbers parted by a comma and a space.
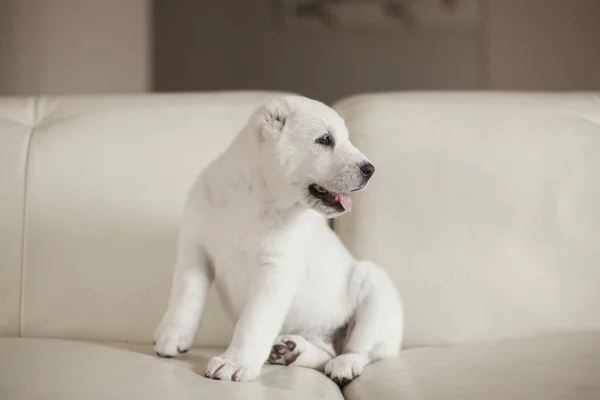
367, 169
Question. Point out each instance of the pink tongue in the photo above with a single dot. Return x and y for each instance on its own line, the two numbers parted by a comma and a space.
344, 200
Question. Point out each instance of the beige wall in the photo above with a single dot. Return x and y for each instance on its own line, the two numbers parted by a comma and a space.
543, 44
211, 45
74, 46
87, 46
522, 45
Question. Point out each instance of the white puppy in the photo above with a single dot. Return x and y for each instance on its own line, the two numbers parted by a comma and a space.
255, 224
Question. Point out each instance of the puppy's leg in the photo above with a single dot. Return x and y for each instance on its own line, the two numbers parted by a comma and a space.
376, 331
191, 280
272, 288
297, 351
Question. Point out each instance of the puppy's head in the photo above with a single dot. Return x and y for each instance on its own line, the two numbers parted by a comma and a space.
305, 144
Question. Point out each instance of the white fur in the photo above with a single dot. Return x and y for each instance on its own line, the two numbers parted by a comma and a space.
251, 226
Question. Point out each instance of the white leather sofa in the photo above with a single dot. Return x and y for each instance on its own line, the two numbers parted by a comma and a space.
485, 208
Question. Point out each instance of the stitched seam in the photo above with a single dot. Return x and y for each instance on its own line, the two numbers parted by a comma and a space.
24, 215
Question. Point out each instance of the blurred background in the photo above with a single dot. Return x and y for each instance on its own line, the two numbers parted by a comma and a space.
324, 49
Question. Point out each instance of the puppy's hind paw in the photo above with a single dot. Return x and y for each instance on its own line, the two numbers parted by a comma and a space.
285, 350
344, 368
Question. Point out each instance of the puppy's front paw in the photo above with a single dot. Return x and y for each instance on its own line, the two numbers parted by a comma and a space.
223, 368
172, 339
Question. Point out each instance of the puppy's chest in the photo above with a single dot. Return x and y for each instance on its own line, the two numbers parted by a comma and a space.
235, 236
228, 229
237, 245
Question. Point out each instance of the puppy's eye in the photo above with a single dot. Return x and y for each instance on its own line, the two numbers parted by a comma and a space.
325, 140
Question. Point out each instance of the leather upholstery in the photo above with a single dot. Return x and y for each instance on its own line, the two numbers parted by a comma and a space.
484, 209
16, 121
550, 368
106, 180
555, 367
53, 369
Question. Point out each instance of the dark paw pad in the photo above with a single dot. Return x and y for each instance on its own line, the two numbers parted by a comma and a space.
290, 345
283, 354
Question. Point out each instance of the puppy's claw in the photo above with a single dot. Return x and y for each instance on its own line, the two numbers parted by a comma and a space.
173, 338
345, 368
222, 368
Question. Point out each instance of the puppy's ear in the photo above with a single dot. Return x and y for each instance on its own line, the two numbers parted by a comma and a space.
275, 114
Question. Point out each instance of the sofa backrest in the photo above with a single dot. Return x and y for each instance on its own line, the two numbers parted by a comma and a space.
91, 191
15, 130
484, 208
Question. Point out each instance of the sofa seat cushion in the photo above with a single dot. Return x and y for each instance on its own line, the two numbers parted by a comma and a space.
565, 366
59, 369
